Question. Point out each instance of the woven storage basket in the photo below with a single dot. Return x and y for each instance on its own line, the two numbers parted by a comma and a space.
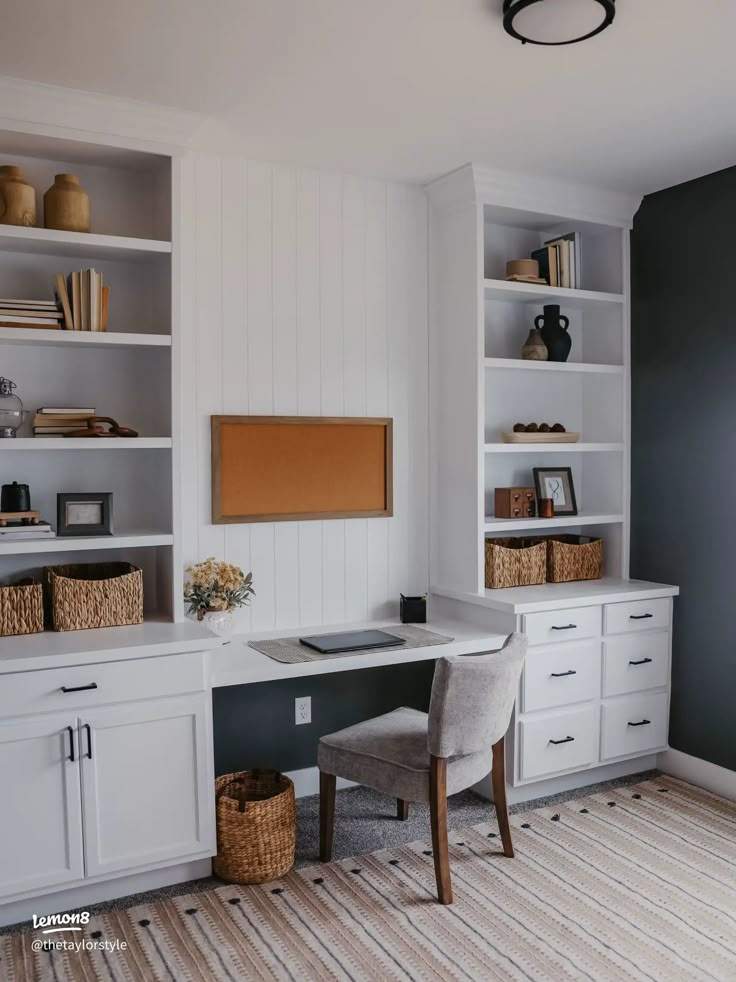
515, 562
574, 557
94, 595
256, 826
21, 608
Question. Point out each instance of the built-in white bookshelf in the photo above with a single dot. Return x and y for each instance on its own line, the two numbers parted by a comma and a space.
125, 372
481, 386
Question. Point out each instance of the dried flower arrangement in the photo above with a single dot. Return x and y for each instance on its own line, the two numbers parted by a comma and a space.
213, 585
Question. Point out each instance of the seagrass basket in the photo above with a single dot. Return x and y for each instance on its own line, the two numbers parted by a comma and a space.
256, 826
574, 557
94, 595
515, 562
21, 608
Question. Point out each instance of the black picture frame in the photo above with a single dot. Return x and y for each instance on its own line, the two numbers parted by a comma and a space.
565, 475
66, 527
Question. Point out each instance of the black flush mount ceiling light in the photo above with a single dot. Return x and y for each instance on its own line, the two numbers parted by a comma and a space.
556, 21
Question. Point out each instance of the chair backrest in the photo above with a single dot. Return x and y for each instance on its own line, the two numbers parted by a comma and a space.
472, 699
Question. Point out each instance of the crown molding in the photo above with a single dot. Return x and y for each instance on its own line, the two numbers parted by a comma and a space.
50, 110
473, 184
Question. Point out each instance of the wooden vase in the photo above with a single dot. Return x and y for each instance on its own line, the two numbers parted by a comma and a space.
534, 348
17, 199
66, 205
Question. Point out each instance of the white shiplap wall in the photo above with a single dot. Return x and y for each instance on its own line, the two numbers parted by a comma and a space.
306, 293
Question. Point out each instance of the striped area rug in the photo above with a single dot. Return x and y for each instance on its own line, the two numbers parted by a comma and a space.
633, 884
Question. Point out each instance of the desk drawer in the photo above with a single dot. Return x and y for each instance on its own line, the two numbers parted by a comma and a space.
637, 615
560, 675
25, 693
634, 725
558, 742
571, 624
633, 662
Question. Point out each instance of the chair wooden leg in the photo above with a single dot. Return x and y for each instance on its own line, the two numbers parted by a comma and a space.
498, 778
327, 784
402, 809
438, 813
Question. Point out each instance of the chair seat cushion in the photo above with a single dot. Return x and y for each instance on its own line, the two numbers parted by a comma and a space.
390, 754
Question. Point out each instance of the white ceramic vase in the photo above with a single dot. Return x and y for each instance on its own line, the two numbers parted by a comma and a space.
220, 622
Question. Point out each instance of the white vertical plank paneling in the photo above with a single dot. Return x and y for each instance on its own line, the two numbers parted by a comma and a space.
376, 371
332, 380
259, 292
209, 350
235, 337
309, 376
285, 392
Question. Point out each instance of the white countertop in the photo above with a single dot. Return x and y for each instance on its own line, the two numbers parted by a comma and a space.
553, 596
238, 664
56, 649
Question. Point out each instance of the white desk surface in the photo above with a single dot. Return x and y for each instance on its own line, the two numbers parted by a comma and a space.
238, 664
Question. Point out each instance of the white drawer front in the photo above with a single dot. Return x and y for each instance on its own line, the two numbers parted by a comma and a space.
634, 724
638, 615
559, 675
558, 742
571, 624
24, 693
633, 662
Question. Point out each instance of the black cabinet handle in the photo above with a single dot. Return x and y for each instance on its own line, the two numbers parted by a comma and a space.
71, 756
561, 675
89, 740
641, 661
642, 722
564, 627
78, 688
640, 617
566, 740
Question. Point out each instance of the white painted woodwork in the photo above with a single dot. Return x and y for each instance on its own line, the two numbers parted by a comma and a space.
634, 724
560, 675
60, 339
306, 294
637, 615
565, 624
85, 543
635, 662
146, 788
576, 729
40, 811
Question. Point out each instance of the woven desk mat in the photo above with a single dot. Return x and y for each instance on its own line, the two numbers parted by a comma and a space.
291, 651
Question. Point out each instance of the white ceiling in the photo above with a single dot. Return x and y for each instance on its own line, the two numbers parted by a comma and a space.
409, 89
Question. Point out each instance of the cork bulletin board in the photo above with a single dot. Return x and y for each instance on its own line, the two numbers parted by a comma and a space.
297, 468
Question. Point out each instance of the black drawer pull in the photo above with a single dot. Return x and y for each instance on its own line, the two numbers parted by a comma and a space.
642, 722
78, 688
89, 740
640, 617
641, 661
561, 675
564, 627
566, 740
71, 756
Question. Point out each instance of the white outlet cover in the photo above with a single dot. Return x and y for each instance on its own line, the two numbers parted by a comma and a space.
303, 710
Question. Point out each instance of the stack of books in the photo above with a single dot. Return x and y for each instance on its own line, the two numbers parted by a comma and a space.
559, 261
17, 530
57, 422
84, 300
43, 314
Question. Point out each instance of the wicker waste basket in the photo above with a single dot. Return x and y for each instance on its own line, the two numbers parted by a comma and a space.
21, 608
256, 826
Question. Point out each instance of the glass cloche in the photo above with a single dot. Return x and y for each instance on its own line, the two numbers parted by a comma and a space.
11, 409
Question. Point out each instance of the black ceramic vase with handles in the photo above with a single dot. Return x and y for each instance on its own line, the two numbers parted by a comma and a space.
553, 326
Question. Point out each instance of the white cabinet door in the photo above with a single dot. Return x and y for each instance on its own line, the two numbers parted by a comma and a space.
40, 807
146, 783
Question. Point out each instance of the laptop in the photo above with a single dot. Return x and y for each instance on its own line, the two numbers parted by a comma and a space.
332, 644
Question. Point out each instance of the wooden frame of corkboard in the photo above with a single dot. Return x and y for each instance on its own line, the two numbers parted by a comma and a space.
301, 468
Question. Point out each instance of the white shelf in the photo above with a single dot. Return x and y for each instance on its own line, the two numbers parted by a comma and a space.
86, 443
84, 543
61, 339
554, 447
88, 245
564, 521
520, 364
540, 294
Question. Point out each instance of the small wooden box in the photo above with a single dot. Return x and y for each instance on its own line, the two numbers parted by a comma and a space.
515, 503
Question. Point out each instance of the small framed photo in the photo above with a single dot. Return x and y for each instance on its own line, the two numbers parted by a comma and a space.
84, 513
556, 483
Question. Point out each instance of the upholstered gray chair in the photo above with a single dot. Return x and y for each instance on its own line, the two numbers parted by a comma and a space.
416, 756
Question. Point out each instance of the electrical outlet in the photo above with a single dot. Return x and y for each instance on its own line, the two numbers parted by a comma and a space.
303, 710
